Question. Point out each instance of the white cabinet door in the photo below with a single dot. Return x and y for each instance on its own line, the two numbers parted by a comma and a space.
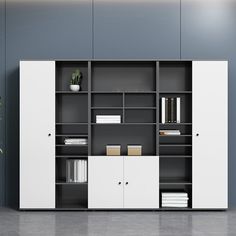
105, 182
210, 134
37, 134
141, 182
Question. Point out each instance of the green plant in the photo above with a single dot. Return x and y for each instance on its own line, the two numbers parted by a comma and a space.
76, 77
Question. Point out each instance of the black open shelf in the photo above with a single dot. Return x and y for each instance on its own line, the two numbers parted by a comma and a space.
176, 150
131, 89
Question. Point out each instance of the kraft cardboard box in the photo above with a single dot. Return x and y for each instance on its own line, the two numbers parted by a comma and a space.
113, 150
134, 150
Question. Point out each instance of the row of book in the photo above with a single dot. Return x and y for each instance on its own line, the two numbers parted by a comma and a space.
76, 171
109, 119
76, 141
174, 199
170, 110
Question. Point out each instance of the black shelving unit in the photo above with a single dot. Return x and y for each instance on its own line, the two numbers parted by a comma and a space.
176, 150
132, 89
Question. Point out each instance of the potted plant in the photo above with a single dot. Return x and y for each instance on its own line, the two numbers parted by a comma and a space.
75, 81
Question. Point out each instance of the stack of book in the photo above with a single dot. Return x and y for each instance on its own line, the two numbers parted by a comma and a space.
170, 110
169, 132
76, 171
108, 119
76, 141
174, 199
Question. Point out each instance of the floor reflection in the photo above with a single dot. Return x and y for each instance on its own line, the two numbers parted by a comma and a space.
117, 223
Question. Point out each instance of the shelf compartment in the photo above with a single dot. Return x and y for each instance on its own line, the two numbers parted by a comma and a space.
123, 76
61, 140
185, 186
107, 100
72, 196
175, 140
175, 171
176, 76
175, 150
61, 171
140, 116
71, 150
123, 135
72, 129
64, 70
106, 112
72, 109
185, 106
140, 100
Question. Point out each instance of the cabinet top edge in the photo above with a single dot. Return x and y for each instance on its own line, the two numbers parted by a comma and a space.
124, 60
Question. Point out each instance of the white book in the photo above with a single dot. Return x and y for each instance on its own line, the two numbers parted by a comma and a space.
163, 110
173, 194
174, 202
175, 198
85, 171
174, 205
108, 116
82, 174
75, 171
75, 139
81, 171
78, 170
108, 121
178, 110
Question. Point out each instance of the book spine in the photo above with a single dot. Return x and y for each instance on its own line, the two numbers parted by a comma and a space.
178, 110
167, 110
172, 119
75, 171
83, 178
163, 112
85, 171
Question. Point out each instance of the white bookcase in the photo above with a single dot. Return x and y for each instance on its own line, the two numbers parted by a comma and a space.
196, 161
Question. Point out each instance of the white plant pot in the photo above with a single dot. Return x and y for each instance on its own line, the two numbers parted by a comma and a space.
75, 87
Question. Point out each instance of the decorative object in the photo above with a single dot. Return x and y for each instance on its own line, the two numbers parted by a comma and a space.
75, 81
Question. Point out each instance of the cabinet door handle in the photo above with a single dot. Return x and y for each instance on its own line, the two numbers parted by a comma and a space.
126, 183
49, 135
119, 183
197, 134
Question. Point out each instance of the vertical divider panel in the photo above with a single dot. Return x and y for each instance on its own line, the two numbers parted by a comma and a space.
123, 107
157, 107
89, 107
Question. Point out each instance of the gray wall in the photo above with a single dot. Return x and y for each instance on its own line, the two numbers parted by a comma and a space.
47, 29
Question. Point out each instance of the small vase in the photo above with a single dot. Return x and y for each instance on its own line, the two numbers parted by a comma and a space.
75, 87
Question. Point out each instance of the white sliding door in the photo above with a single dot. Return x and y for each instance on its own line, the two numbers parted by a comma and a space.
105, 182
141, 182
37, 134
210, 134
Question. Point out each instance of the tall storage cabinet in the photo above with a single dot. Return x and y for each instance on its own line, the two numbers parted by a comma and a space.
194, 161
37, 134
210, 134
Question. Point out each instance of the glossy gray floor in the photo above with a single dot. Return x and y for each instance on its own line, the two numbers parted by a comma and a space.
13, 223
